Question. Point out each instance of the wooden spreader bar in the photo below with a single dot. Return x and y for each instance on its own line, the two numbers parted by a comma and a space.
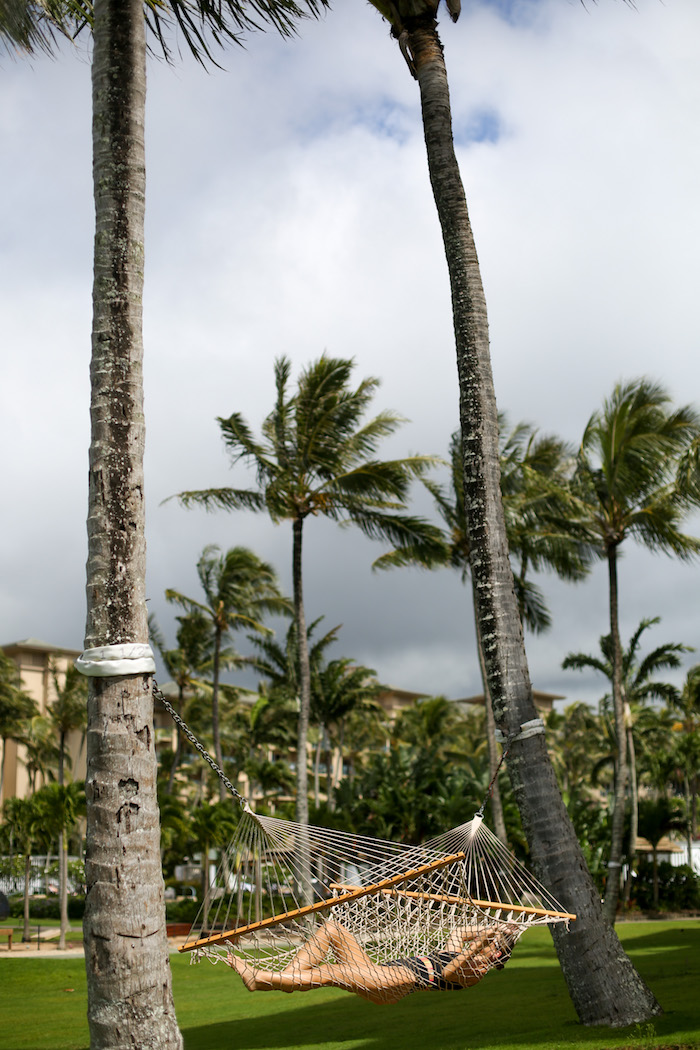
355, 894
445, 898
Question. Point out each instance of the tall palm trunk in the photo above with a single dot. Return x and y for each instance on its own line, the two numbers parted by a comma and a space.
634, 805
602, 982
177, 757
612, 888
499, 824
62, 855
26, 936
126, 957
215, 723
302, 807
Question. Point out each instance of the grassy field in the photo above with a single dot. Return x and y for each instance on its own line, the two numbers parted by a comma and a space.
43, 1003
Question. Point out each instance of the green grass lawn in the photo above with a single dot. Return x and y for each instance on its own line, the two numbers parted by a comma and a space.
526, 1006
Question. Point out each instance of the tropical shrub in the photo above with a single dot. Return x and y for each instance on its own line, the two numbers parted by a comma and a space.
679, 888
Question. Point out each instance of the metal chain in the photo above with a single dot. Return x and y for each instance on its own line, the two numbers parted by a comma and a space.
489, 790
182, 725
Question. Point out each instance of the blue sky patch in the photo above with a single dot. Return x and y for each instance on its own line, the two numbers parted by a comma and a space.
482, 125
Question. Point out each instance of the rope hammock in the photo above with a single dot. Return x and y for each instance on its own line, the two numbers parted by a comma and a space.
288, 896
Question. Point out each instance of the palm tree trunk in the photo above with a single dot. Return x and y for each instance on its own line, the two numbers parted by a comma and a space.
126, 952
634, 807
25, 910
63, 888
215, 728
178, 743
62, 855
602, 982
302, 808
612, 889
499, 824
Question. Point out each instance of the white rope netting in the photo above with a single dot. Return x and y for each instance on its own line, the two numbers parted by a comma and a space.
298, 907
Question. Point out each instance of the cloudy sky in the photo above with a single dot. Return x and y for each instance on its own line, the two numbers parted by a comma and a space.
289, 211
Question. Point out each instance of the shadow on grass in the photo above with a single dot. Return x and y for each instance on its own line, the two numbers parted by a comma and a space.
526, 1006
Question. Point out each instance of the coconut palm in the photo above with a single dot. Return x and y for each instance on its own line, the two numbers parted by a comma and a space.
16, 709
183, 664
657, 817
610, 992
239, 589
639, 685
315, 458
41, 751
625, 488
534, 475
339, 688
140, 1000
67, 713
687, 706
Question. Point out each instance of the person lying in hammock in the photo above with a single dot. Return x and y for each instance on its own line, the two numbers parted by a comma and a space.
468, 955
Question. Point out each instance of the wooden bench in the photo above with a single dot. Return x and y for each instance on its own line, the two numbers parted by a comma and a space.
7, 932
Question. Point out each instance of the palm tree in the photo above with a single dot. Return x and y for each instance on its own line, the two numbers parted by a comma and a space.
609, 992
22, 815
239, 588
123, 830
116, 548
687, 704
183, 664
625, 487
315, 459
16, 709
657, 817
67, 713
339, 688
638, 687
534, 475
212, 826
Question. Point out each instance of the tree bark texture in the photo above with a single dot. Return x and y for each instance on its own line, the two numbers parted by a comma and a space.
128, 973
612, 888
603, 984
304, 672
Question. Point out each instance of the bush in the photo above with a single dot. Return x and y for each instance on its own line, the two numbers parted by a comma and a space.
679, 888
181, 911
47, 908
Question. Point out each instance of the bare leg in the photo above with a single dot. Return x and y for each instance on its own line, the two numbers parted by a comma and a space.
353, 970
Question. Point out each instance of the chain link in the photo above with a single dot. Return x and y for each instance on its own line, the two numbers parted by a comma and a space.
182, 725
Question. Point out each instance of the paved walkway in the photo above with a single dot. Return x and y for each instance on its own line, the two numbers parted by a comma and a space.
49, 948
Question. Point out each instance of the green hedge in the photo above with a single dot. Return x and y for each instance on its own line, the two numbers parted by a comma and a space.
47, 908
679, 888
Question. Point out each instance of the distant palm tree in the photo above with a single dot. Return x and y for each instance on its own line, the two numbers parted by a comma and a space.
316, 458
657, 817
638, 687
687, 705
16, 709
211, 827
534, 475
339, 688
625, 487
184, 664
22, 815
239, 589
67, 713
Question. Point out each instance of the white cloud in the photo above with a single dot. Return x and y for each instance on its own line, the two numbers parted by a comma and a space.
289, 211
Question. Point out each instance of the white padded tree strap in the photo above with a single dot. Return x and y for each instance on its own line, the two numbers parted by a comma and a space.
527, 729
111, 661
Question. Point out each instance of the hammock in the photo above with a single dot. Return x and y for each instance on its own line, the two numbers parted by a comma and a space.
279, 880
281, 886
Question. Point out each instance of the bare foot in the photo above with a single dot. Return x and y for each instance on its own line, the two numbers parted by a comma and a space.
245, 972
